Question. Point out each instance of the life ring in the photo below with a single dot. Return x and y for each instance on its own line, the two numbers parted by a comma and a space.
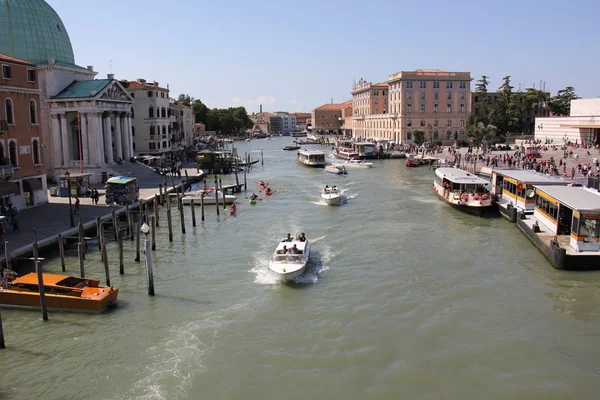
485, 197
520, 186
464, 197
476, 197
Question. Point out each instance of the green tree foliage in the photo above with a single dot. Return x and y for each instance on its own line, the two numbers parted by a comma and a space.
534, 103
506, 116
561, 103
481, 91
481, 133
200, 111
232, 120
185, 99
418, 136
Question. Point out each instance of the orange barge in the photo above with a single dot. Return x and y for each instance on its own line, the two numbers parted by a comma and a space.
62, 293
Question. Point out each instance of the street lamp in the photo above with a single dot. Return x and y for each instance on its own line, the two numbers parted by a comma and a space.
68, 176
149, 274
146, 229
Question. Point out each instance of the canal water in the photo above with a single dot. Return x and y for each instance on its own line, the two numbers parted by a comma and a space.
404, 297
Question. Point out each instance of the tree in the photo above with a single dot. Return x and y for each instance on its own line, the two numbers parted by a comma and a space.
418, 136
506, 116
185, 99
534, 103
561, 103
200, 111
481, 88
481, 133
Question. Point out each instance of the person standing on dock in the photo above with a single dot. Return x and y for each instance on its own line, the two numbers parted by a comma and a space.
77, 201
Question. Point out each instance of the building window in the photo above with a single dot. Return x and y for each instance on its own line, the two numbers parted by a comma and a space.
435, 108
463, 85
462, 133
151, 112
462, 95
476, 99
409, 95
9, 111
436, 95
409, 123
30, 75
35, 149
423, 85
165, 144
152, 146
477, 111
162, 94
462, 123
422, 108
435, 122
132, 113
422, 95
164, 130
152, 131
449, 123
12, 153
32, 112
422, 122
6, 73
150, 93
436, 85
435, 135
133, 145
448, 85
462, 108
448, 134
163, 112
409, 84
409, 136
133, 131
449, 97
449, 108
409, 107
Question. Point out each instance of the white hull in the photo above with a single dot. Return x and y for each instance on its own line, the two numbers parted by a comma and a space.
332, 199
355, 164
290, 266
208, 199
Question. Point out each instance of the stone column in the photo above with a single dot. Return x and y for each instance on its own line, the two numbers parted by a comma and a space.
130, 135
91, 138
126, 137
118, 133
99, 138
64, 133
108, 140
56, 140
84, 139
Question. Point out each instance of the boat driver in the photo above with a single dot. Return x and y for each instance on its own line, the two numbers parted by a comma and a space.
288, 238
302, 238
294, 250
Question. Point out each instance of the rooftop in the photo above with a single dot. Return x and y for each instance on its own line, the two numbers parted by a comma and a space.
6, 57
530, 177
577, 198
83, 89
141, 84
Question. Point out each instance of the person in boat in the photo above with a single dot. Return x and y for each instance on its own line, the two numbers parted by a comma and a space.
288, 238
302, 238
294, 249
326, 188
268, 191
261, 183
285, 249
233, 209
254, 196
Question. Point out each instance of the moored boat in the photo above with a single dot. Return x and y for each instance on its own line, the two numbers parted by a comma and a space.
209, 197
290, 259
62, 293
336, 169
289, 148
412, 162
331, 195
463, 190
311, 158
355, 163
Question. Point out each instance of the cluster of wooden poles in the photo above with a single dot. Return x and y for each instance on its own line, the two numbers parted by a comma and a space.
145, 223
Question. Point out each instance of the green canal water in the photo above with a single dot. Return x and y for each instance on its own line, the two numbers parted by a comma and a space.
404, 297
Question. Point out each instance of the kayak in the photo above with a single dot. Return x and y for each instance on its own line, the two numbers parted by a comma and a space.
232, 210
262, 185
268, 193
252, 201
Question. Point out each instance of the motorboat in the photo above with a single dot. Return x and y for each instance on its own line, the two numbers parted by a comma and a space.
412, 162
336, 169
311, 158
209, 197
355, 163
331, 195
287, 264
62, 293
463, 190
289, 148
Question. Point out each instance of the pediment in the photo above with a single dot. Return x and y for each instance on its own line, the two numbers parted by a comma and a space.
114, 91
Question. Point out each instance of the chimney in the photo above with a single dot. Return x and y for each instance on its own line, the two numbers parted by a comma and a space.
110, 76
51, 60
261, 108
90, 67
140, 80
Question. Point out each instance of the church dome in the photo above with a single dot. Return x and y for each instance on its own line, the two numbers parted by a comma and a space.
33, 31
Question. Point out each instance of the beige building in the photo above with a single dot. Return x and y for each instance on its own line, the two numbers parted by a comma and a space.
330, 118
435, 101
582, 126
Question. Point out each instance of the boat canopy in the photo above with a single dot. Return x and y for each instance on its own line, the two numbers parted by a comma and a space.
121, 180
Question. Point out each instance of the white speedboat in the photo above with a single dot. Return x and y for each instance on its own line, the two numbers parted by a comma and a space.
337, 169
289, 265
331, 196
463, 190
355, 164
209, 197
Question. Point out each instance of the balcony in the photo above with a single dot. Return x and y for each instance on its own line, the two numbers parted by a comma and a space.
6, 171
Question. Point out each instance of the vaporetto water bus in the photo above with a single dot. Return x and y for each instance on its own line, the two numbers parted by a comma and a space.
463, 190
311, 158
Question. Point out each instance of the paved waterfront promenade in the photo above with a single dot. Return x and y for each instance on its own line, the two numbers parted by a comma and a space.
53, 218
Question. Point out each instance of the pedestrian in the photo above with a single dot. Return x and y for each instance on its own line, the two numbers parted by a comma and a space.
77, 205
573, 173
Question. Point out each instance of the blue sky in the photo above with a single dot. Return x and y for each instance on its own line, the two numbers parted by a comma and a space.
297, 55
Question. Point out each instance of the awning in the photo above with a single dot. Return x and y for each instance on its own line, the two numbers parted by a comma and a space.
32, 184
8, 189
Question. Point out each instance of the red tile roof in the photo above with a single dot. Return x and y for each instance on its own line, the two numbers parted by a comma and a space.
380, 84
6, 57
141, 85
335, 106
